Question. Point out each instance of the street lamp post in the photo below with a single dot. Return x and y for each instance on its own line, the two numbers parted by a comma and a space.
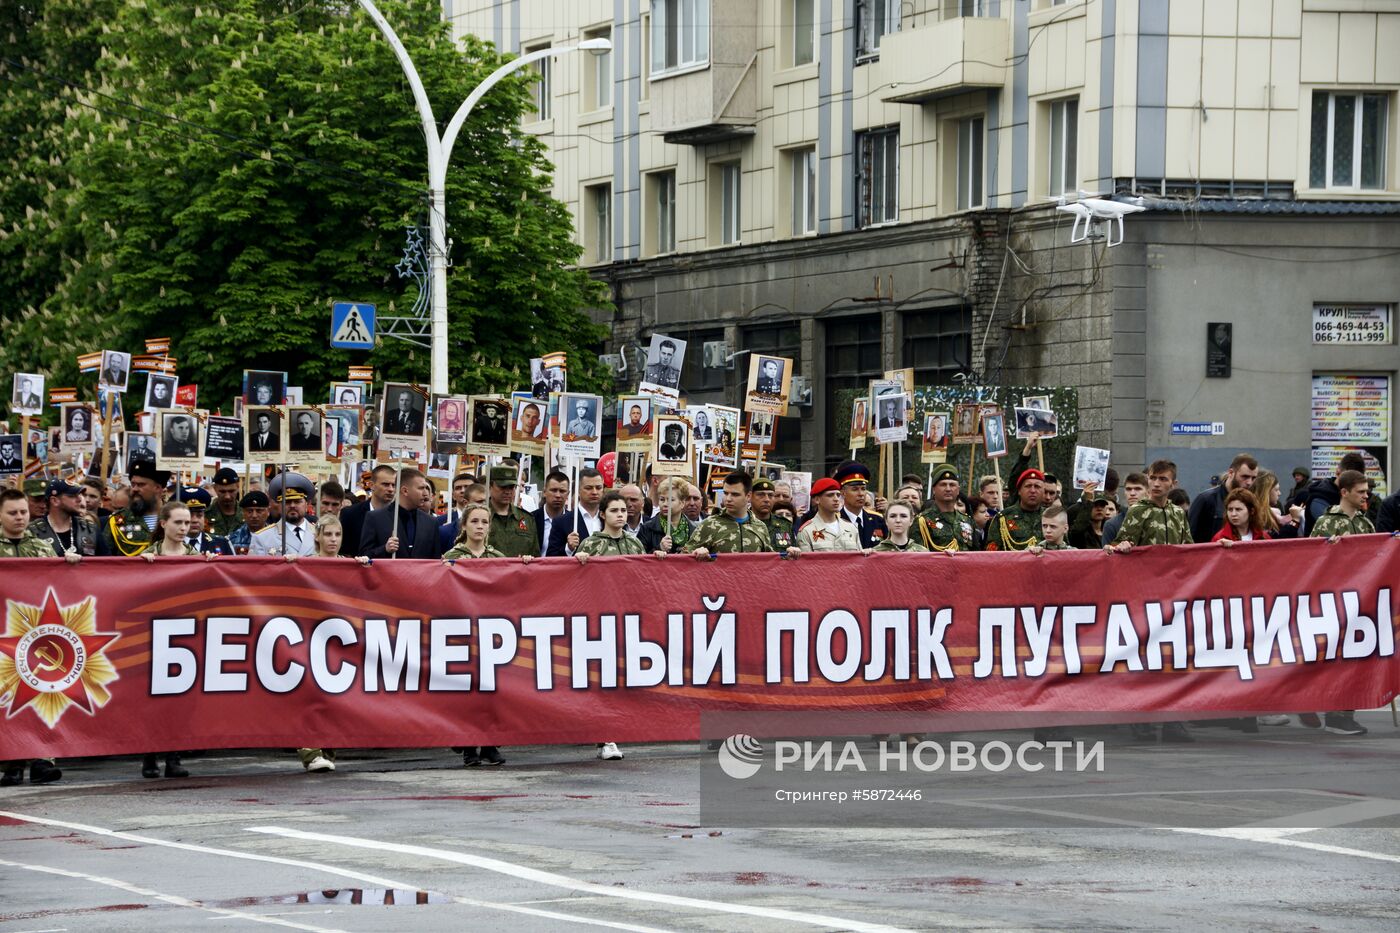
439, 152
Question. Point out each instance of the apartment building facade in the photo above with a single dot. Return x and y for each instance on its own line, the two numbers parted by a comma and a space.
869, 184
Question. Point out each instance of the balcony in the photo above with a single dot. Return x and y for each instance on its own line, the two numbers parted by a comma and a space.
966, 53
719, 100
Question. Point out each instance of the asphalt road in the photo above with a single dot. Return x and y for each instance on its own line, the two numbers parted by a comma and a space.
559, 840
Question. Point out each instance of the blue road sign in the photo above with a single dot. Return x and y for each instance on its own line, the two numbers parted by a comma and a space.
352, 326
1199, 428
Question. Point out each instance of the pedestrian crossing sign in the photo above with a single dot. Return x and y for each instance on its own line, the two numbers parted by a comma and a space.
352, 325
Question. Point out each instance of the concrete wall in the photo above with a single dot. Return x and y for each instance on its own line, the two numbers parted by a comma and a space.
1263, 275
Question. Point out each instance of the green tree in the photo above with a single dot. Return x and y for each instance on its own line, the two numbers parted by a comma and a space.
233, 167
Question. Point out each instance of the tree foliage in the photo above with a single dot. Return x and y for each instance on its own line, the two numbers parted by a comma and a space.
220, 172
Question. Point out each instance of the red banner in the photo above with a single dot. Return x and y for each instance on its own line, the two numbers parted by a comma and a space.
116, 656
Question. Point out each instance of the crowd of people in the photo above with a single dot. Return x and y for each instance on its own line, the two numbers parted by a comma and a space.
401, 516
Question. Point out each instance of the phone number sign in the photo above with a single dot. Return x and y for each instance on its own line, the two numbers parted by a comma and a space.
1364, 324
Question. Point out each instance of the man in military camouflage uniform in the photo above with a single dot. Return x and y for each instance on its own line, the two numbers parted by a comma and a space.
17, 540
1017, 527
762, 500
1153, 520
65, 528
733, 529
512, 528
227, 514
128, 531
942, 527
1347, 517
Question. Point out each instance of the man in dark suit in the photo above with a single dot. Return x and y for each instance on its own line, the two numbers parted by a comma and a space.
563, 541
264, 436
403, 418
416, 534
352, 520
556, 497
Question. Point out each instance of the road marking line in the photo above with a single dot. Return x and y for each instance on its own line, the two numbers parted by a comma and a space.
1278, 840
373, 880
563, 881
1264, 834
219, 912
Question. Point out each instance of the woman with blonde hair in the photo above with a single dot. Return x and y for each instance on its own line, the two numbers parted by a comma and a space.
1266, 493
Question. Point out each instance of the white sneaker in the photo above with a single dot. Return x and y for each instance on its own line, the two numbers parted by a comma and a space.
320, 763
1278, 719
610, 752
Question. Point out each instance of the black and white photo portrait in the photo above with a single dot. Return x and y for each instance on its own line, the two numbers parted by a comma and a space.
403, 410
703, 430
580, 415
673, 446
116, 370
347, 393
179, 436
261, 387
662, 374
891, 413
27, 396
160, 392
490, 421
770, 374
1044, 424
306, 430
264, 431
77, 427
11, 463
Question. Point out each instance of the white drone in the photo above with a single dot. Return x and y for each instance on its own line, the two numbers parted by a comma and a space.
1090, 208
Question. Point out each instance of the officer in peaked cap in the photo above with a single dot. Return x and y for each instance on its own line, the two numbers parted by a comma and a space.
197, 501
128, 531
854, 478
292, 534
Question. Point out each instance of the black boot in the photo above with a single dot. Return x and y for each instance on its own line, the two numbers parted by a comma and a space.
43, 772
491, 755
13, 775
172, 766
149, 768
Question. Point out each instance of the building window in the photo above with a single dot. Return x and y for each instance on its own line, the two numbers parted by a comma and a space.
874, 18
662, 195
729, 178
971, 133
680, 34
597, 75
542, 91
877, 180
953, 9
645, 82
1064, 145
800, 32
597, 206
779, 340
937, 344
1348, 140
802, 168
853, 358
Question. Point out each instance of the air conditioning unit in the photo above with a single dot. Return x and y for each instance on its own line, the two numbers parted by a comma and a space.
715, 355
613, 361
